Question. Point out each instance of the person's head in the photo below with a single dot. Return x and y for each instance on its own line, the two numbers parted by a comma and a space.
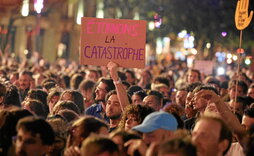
251, 91
34, 137
248, 118
240, 104
53, 98
60, 127
74, 96
161, 79
146, 76
40, 95
68, 115
241, 88
134, 88
130, 77
86, 88
215, 83
224, 88
211, 136
92, 75
36, 107
25, 78
61, 105
154, 100
76, 79
137, 97
134, 115
177, 147
103, 86
14, 76
200, 102
181, 95
193, 75
83, 127
157, 127
120, 137
12, 96
9, 119
99, 146
162, 88
113, 107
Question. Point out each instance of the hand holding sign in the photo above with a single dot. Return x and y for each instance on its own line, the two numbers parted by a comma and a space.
242, 20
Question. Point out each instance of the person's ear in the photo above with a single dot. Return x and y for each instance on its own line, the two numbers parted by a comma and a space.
223, 145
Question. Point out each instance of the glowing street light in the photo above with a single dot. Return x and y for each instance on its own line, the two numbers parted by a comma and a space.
38, 5
25, 8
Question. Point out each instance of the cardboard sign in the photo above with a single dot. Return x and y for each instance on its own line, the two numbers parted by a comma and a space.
120, 41
242, 18
205, 67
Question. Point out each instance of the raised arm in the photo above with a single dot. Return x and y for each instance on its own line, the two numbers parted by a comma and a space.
230, 118
121, 92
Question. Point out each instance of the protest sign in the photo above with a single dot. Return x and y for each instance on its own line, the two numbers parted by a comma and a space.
205, 67
120, 41
242, 17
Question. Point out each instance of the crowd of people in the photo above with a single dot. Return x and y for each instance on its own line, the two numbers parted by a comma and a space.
66, 109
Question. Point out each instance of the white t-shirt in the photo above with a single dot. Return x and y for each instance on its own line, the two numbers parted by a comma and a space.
235, 150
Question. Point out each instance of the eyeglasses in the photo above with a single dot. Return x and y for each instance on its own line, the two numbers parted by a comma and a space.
100, 89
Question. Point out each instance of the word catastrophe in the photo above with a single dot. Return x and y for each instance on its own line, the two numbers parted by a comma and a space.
101, 52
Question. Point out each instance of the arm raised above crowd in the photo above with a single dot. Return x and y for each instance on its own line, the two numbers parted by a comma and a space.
121, 92
229, 117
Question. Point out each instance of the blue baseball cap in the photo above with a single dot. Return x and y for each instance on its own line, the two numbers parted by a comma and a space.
157, 120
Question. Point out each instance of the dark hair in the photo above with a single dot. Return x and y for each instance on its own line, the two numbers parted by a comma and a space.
206, 87
12, 96
36, 106
214, 81
2, 89
196, 71
224, 85
9, 119
240, 83
76, 79
179, 146
37, 126
53, 93
77, 98
131, 73
192, 86
155, 93
88, 124
96, 145
60, 105
249, 112
161, 79
113, 92
26, 72
40, 95
66, 80
109, 82
141, 93
133, 88
86, 84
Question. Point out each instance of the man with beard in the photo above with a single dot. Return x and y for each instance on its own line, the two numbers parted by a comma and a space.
103, 86
113, 109
34, 137
25, 82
